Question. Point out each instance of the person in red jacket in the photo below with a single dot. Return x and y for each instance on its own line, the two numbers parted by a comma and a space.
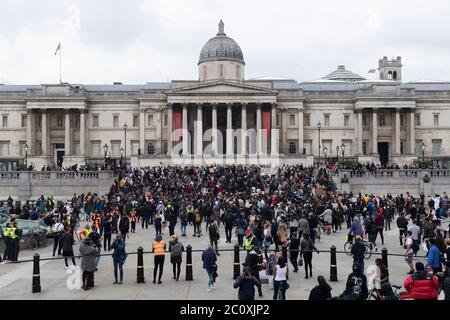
421, 285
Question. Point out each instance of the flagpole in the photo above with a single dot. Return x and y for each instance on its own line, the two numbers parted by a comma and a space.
60, 65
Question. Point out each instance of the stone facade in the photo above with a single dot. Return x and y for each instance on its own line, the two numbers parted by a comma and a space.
382, 120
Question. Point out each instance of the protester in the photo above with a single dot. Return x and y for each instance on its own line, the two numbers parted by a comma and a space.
88, 253
246, 283
158, 249
209, 259
322, 291
67, 246
421, 285
176, 255
119, 256
280, 278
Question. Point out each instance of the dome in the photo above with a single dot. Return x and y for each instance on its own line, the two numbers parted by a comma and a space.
221, 47
342, 74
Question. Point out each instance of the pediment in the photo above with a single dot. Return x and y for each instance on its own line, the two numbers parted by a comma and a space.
221, 88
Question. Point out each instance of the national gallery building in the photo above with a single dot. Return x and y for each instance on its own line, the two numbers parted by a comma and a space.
221, 116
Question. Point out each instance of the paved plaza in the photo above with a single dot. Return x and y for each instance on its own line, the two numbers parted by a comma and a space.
57, 283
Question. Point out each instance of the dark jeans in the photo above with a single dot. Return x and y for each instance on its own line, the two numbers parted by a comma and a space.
171, 229
118, 265
88, 279
387, 224
158, 230
240, 240
144, 221
256, 275
56, 245
213, 243
107, 239
228, 231
307, 262
133, 226
15, 247
293, 258
159, 263
176, 269
67, 263
380, 231
276, 288
6, 253
197, 228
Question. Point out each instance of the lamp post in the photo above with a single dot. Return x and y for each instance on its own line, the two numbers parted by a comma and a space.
26, 155
105, 148
319, 125
121, 156
337, 153
423, 153
342, 149
125, 129
325, 152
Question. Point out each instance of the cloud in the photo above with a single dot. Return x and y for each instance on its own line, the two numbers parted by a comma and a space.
138, 41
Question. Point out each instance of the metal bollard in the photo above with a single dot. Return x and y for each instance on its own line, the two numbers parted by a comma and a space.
237, 264
333, 264
384, 257
284, 251
140, 266
36, 287
189, 276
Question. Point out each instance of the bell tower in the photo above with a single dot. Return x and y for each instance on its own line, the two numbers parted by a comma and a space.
390, 69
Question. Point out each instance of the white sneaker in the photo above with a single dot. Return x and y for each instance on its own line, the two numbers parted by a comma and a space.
209, 289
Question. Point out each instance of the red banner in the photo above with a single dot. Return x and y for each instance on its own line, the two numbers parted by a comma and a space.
266, 123
177, 124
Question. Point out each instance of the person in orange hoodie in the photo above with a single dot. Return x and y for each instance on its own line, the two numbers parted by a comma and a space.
159, 252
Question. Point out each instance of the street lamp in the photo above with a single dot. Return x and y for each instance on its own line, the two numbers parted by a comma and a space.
26, 154
337, 153
319, 125
125, 129
105, 148
325, 151
121, 156
343, 149
423, 153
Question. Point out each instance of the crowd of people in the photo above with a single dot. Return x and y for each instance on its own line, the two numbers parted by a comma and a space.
266, 210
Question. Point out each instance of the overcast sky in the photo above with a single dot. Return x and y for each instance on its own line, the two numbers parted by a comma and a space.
142, 41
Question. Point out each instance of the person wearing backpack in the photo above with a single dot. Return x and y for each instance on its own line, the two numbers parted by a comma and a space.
124, 226
214, 236
197, 223
119, 256
183, 222
229, 220
176, 254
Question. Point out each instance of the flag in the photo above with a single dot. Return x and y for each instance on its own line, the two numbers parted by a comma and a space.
58, 48
372, 71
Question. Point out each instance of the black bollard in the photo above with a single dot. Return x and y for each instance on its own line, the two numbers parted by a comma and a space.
333, 264
237, 264
284, 251
36, 274
140, 266
189, 276
384, 257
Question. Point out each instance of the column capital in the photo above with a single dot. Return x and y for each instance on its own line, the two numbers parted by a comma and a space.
375, 109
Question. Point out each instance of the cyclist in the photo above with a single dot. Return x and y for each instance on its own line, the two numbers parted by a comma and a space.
358, 250
421, 285
327, 217
355, 230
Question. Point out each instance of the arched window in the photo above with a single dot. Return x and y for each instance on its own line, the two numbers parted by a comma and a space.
390, 75
394, 75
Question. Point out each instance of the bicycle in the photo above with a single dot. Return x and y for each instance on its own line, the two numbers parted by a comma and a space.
317, 233
375, 294
37, 238
349, 244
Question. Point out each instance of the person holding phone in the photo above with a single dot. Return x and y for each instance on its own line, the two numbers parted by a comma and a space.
246, 284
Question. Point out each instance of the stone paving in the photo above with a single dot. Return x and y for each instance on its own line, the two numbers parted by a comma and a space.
58, 283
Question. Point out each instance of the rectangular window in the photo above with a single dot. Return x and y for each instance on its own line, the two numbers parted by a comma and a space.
135, 121
165, 120
292, 120
165, 147
292, 147
95, 148
5, 121
326, 120
346, 120
436, 120
115, 121
278, 120
134, 148
59, 121
24, 121
326, 145
76, 123
76, 149
150, 120
22, 148
151, 148
95, 120
307, 146
402, 120
418, 148
364, 147
4, 148
39, 148
436, 144
364, 120
402, 144
381, 120
306, 120
115, 148
347, 147
417, 119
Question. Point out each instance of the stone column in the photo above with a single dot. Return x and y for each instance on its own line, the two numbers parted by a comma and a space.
83, 132
142, 131
169, 128
157, 118
67, 146
360, 132
397, 131
300, 131
30, 134
244, 129
412, 133
274, 135
185, 130
44, 133
230, 149
214, 130
259, 133
199, 133
374, 131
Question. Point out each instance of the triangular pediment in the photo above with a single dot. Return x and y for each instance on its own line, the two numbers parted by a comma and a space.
221, 87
